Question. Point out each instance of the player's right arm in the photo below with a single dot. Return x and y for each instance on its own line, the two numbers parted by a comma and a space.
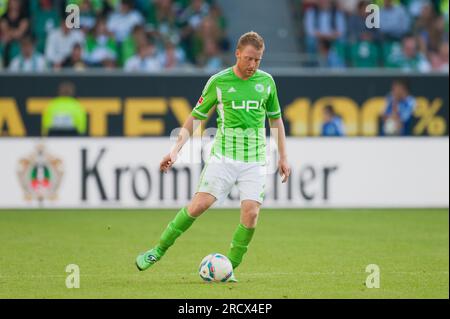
183, 136
198, 114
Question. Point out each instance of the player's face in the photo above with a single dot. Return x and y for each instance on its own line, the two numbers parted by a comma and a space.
398, 91
326, 116
248, 59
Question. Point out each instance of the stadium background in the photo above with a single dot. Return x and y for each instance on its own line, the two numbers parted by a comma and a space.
133, 108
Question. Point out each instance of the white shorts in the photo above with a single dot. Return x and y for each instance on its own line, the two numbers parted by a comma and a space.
220, 174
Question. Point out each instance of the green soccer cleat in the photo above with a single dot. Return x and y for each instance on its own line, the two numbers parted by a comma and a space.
147, 259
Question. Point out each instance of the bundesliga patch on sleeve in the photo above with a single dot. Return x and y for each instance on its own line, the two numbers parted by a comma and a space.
200, 100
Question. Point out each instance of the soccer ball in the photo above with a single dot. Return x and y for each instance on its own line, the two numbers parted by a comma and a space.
215, 267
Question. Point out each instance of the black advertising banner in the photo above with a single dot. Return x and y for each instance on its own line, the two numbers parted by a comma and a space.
154, 105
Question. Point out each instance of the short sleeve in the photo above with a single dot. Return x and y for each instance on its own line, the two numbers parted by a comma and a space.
273, 109
206, 101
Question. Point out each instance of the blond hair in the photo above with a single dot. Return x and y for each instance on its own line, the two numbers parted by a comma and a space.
251, 38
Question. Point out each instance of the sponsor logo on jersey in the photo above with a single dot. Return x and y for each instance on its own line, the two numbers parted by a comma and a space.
247, 105
232, 90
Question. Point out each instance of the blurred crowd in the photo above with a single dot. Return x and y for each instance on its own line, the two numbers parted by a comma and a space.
412, 34
154, 35
134, 35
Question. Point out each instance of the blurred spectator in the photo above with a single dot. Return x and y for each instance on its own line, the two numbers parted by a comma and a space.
210, 58
357, 24
439, 60
444, 8
100, 45
400, 105
146, 60
3, 7
208, 31
172, 56
60, 43
64, 116
217, 17
348, 6
323, 22
415, 7
45, 19
98, 7
143, 5
161, 21
190, 22
428, 28
365, 53
195, 13
87, 15
75, 60
28, 60
332, 123
130, 44
122, 22
394, 20
14, 25
328, 57
412, 59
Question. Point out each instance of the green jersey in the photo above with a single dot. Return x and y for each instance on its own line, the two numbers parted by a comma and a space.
242, 106
64, 113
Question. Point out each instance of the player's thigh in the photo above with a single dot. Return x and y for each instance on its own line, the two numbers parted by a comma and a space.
200, 203
251, 182
217, 179
249, 213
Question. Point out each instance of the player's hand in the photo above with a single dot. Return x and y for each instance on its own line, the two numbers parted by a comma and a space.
284, 169
168, 161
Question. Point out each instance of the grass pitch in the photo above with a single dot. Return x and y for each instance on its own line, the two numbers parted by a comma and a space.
294, 254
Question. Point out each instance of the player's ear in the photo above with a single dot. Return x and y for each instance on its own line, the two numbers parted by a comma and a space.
237, 53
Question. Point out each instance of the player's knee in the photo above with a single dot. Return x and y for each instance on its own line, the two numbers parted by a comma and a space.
200, 203
250, 217
196, 208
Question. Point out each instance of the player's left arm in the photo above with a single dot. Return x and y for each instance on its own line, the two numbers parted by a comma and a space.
273, 112
277, 129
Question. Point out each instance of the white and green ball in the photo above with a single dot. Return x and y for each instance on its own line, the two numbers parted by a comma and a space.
215, 267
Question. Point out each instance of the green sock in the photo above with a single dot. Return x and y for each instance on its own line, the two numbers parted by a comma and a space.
176, 227
241, 238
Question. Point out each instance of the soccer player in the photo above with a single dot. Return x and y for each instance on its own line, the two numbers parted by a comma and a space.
400, 105
332, 124
243, 96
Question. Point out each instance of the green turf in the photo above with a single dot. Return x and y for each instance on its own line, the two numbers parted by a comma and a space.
294, 254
